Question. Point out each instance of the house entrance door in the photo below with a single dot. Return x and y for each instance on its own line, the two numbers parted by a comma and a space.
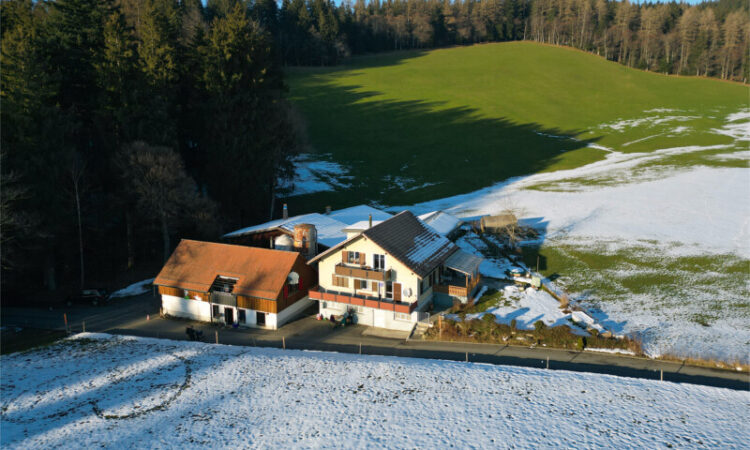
229, 316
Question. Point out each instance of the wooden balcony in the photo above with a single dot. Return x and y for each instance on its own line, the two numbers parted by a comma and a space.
364, 273
369, 302
458, 291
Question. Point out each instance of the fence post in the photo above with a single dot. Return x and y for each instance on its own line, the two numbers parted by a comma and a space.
217, 336
661, 374
65, 319
467, 356
83, 326
548, 362
360, 348
283, 342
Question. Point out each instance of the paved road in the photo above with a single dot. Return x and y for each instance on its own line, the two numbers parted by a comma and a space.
128, 316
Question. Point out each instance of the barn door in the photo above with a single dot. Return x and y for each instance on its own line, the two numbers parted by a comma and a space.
397, 292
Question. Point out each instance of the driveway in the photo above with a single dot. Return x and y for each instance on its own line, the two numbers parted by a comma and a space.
139, 316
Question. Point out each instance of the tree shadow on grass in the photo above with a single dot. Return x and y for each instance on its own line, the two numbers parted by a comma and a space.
405, 152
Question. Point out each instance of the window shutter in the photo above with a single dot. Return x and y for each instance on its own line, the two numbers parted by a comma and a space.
344, 256
361, 259
374, 286
300, 286
286, 291
333, 280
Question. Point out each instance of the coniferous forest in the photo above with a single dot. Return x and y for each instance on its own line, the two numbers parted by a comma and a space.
710, 39
129, 123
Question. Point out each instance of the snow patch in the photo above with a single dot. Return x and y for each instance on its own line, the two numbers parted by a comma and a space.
318, 175
138, 288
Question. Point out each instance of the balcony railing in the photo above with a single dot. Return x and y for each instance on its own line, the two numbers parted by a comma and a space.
319, 293
458, 291
364, 273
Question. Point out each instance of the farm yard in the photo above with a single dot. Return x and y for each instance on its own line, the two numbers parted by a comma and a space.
638, 185
104, 391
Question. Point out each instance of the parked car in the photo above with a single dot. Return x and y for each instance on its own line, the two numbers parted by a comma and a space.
88, 297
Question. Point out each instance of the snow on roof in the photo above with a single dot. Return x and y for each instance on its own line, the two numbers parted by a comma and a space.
412, 242
330, 231
330, 227
359, 213
428, 245
362, 225
441, 221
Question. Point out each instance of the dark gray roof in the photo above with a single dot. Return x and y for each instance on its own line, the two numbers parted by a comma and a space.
410, 241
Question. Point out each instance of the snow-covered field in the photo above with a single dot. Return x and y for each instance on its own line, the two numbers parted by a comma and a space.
126, 392
655, 216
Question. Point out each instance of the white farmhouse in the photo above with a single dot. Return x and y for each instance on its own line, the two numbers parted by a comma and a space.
390, 274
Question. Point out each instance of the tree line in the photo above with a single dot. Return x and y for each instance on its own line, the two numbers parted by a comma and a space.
709, 39
128, 123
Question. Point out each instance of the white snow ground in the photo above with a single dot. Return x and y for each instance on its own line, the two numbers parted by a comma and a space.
627, 202
127, 392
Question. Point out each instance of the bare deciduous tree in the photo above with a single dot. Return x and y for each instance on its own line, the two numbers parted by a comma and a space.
161, 186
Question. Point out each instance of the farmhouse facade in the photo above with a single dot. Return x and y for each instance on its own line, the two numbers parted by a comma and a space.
235, 285
389, 275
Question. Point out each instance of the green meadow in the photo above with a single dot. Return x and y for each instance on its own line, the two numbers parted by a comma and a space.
415, 126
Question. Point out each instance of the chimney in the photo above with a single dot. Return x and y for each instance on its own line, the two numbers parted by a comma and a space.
370, 221
285, 213
328, 209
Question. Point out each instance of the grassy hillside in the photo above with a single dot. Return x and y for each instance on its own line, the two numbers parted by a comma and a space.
414, 126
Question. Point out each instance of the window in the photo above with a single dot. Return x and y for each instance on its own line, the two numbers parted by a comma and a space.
340, 281
360, 284
403, 316
241, 316
293, 281
389, 289
216, 311
186, 294
352, 257
378, 262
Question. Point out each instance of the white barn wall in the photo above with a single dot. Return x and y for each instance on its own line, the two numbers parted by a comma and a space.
187, 308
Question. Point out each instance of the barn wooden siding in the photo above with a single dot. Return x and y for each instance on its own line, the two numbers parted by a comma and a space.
179, 292
257, 304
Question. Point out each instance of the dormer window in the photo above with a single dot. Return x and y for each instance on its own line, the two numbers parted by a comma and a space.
223, 284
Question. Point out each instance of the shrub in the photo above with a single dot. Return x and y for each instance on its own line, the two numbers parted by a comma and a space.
581, 344
539, 325
513, 324
594, 332
503, 329
488, 318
